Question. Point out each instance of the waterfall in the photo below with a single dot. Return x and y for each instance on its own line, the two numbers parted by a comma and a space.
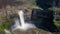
21, 24
21, 15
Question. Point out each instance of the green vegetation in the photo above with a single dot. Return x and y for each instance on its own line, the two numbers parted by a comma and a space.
1, 31
54, 8
1, 17
57, 23
31, 2
5, 25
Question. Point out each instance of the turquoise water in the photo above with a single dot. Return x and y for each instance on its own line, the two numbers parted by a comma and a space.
7, 33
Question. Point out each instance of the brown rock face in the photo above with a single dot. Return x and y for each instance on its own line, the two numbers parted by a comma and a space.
32, 31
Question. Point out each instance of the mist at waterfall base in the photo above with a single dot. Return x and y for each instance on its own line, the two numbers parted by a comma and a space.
21, 24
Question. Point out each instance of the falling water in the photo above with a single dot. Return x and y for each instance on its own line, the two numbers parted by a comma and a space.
21, 15
21, 24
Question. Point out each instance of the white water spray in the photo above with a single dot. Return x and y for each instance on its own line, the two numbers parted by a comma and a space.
21, 15
23, 26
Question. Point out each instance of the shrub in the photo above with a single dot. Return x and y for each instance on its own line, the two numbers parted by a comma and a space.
57, 23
